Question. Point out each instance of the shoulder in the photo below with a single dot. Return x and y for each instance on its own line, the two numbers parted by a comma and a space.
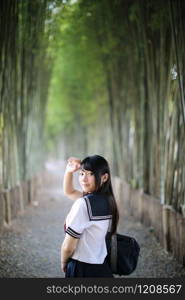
78, 211
79, 204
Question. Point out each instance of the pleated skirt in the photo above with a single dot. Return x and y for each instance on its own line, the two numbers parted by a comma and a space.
77, 268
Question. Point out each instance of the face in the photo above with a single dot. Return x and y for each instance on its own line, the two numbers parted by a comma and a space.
87, 181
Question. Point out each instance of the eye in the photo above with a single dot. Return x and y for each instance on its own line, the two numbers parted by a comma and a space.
90, 173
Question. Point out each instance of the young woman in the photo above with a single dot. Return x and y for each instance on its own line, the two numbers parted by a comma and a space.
92, 215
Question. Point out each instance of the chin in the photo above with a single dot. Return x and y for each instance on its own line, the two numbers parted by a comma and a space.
87, 191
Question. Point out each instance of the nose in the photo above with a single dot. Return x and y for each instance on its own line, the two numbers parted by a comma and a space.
85, 178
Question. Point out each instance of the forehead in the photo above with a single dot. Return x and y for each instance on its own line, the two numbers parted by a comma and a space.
84, 170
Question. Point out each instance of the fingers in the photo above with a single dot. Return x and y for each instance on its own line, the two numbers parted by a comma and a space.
64, 267
74, 162
73, 166
74, 159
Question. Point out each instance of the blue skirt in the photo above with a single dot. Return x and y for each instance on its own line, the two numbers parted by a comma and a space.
77, 268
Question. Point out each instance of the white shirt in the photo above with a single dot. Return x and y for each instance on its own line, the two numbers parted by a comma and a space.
91, 247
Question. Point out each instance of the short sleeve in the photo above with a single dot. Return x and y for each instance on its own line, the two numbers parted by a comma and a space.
77, 219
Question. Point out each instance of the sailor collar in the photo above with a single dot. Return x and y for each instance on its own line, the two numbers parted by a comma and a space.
98, 207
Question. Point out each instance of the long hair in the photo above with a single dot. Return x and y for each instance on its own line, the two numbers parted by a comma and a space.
99, 166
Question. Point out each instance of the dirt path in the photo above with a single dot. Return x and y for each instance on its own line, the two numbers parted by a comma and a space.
31, 247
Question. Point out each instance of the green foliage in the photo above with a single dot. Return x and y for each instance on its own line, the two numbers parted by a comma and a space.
116, 56
77, 86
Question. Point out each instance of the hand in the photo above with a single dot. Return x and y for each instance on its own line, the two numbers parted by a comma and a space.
64, 266
73, 164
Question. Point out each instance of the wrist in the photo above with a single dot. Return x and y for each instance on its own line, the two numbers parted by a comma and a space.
69, 172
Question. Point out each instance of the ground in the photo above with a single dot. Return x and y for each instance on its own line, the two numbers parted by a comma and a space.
30, 247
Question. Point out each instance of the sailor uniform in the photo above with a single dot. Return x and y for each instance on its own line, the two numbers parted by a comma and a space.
88, 221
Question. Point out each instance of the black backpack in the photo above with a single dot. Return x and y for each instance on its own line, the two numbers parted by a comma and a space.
122, 253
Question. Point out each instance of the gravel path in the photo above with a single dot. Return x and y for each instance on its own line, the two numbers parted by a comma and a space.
31, 246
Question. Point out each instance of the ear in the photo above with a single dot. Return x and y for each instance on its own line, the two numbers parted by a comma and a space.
104, 177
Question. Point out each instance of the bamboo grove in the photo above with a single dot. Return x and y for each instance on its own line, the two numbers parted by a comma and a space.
103, 76
23, 89
119, 78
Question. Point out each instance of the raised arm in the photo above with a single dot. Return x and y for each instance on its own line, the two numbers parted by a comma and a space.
73, 165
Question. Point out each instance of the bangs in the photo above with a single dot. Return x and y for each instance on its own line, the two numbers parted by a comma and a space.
96, 164
86, 164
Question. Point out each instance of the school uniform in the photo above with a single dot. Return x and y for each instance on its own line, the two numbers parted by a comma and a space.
89, 220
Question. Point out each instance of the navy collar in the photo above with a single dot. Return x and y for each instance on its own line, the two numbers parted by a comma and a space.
98, 207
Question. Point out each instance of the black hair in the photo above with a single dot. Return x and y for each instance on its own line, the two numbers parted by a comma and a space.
99, 166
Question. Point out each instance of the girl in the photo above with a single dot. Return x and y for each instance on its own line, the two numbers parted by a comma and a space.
94, 212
